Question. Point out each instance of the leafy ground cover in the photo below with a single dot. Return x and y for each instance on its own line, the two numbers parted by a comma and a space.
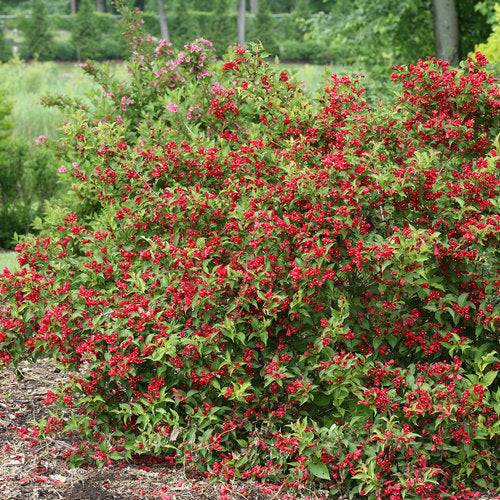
268, 286
35, 471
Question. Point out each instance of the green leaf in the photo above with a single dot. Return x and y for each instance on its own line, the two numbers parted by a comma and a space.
481, 482
462, 299
489, 378
321, 399
319, 469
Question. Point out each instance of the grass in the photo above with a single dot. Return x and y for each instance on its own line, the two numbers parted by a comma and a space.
9, 260
314, 76
25, 85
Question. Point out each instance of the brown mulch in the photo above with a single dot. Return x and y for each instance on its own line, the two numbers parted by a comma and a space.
30, 471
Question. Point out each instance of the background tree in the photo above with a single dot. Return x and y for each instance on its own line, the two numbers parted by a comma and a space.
299, 13
163, 20
86, 36
6, 6
222, 28
491, 47
446, 32
37, 33
241, 22
185, 28
263, 28
101, 5
475, 20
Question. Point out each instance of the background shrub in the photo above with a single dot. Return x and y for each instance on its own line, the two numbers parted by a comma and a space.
64, 51
112, 49
26, 180
185, 25
222, 26
5, 47
151, 23
263, 28
61, 23
304, 50
86, 35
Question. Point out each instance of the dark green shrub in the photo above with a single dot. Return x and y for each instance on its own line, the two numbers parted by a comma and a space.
39, 43
151, 23
61, 23
85, 34
27, 176
304, 51
106, 24
5, 48
222, 26
263, 28
297, 18
64, 51
24, 52
185, 27
14, 221
112, 49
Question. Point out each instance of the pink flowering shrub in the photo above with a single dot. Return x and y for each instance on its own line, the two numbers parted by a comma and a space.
304, 293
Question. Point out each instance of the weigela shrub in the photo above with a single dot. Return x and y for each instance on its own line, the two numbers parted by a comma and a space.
298, 292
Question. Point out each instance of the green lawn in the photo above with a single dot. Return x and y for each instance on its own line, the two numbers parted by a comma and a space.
313, 75
8, 259
25, 85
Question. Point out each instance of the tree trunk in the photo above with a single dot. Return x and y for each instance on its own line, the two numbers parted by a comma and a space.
163, 20
254, 7
73, 6
446, 32
101, 5
241, 22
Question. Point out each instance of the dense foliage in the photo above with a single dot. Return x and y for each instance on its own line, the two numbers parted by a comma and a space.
39, 41
302, 293
86, 37
491, 48
5, 48
368, 33
221, 27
